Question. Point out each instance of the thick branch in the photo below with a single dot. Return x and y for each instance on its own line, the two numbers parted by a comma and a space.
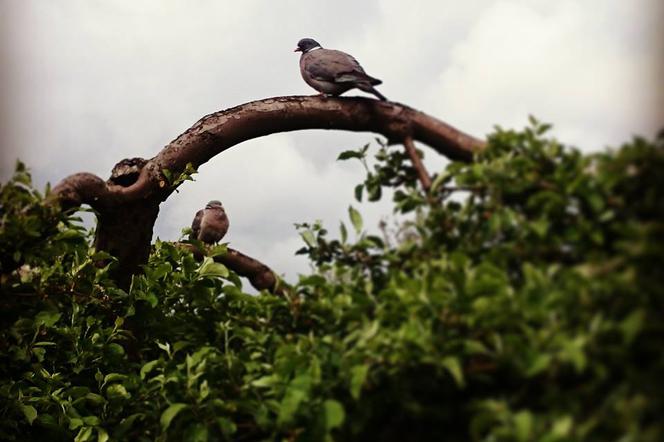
221, 130
259, 275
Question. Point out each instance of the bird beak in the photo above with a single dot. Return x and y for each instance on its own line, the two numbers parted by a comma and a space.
297, 50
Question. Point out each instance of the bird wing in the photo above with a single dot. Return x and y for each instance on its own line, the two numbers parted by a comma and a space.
196, 224
335, 66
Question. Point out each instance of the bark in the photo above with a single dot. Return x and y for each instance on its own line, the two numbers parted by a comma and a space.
128, 203
259, 275
422, 173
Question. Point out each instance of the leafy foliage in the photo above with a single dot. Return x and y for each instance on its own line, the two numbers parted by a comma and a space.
522, 301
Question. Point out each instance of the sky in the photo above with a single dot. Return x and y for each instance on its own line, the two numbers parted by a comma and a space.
86, 83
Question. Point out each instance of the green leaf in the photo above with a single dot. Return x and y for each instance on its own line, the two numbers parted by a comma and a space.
116, 349
438, 181
523, 421
44, 344
47, 318
117, 391
296, 393
95, 399
374, 191
540, 363
147, 367
474, 347
334, 414
84, 434
91, 420
289, 405
453, 366
211, 268
309, 238
169, 414
358, 375
344, 232
114, 377
358, 192
196, 432
102, 435
540, 227
218, 250
29, 412
355, 218
632, 325
266, 381
227, 426
347, 154
562, 426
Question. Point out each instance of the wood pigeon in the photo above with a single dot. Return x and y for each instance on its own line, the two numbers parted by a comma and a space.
210, 224
333, 72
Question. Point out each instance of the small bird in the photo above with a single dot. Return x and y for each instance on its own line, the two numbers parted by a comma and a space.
210, 224
333, 72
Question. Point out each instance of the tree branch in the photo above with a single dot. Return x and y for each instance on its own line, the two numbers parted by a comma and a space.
422, 173
128, 203
221, 130
259, 275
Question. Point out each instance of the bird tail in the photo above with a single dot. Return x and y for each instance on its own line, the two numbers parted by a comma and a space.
372, 90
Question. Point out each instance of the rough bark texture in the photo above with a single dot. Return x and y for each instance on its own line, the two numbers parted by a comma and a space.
128, 203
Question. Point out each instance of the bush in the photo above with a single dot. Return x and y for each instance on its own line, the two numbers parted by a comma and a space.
520, 301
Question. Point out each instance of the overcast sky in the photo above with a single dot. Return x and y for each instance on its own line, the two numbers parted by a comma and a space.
84, 84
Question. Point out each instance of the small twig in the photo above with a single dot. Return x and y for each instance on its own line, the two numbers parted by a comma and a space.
422, 173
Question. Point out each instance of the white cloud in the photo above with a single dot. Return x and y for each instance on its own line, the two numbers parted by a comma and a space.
564, 63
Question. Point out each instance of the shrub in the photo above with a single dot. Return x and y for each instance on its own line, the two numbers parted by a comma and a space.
520, 300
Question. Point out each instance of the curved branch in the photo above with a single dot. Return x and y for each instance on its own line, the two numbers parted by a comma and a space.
221, 130
80, 188
259, 275
128, 203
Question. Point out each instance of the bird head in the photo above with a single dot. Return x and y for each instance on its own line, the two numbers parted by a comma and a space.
306, 44
214, 204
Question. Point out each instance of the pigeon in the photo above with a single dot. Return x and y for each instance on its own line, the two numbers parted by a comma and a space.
333, 72
210, 224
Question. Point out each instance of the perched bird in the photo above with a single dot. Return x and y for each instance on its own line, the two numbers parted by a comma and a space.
210, 224
333, 72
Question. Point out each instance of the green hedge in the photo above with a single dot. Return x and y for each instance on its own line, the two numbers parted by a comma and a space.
521, 301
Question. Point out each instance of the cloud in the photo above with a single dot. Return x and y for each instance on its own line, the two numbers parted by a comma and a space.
267, 185
566, 62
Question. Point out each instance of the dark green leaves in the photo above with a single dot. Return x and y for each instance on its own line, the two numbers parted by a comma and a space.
519, 300
29, 412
